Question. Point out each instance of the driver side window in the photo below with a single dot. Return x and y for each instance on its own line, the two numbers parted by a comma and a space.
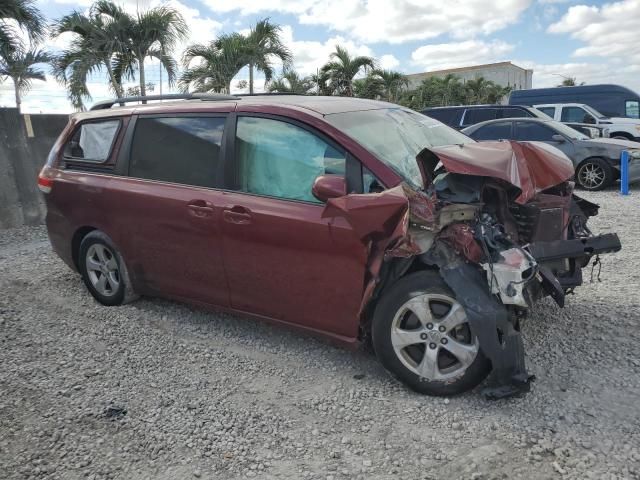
279, 159
576, 115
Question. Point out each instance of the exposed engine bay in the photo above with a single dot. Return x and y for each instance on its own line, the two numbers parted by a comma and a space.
502, 235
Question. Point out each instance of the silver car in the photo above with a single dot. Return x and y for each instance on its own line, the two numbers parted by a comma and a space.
597, 160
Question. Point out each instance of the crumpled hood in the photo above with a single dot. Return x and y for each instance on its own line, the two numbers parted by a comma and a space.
530, 166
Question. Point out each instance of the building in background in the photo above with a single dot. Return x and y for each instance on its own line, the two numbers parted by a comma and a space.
505, 74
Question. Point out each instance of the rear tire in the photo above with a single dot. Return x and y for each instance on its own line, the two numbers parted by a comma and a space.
594, 174
103, 270
421, 335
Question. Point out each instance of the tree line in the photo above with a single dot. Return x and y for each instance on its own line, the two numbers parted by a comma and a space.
108, 39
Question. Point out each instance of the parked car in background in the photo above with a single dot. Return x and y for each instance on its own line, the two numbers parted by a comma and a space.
295, 209
466, 115
611, 100
615, 127
462, 116
597, 161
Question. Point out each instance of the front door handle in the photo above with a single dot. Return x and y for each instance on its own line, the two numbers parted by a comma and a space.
200, 208
237, 214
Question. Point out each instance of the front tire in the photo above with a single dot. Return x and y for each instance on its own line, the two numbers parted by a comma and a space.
594, 174
421, 335
102, 269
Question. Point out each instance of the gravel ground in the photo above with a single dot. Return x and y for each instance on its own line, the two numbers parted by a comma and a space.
159, 390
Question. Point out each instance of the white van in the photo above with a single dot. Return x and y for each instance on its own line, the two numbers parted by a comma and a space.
616, 127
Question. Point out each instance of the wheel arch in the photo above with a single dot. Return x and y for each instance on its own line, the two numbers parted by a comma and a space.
393, 271
626, 135
76, 240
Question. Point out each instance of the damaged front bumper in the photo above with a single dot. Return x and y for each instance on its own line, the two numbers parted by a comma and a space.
500, 241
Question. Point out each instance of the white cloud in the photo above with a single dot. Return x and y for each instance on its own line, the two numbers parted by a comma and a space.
609, 31
611, 41
551, 75
388, 62
309, 56
459, 54
393, 21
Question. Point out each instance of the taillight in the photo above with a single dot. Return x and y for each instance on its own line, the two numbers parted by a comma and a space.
45, 184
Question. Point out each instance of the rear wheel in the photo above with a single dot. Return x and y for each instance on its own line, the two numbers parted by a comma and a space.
421, 335
103, 269
594, 174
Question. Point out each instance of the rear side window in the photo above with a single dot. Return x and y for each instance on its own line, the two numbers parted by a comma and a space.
495, 131
183, 150
92, 142
533, 132
473, 116
632, 108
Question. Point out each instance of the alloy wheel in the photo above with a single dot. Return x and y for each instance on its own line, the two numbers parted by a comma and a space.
431, 336
591, 176
102, 269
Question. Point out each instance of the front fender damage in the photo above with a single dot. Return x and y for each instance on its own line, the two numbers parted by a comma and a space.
403, 223
478, 226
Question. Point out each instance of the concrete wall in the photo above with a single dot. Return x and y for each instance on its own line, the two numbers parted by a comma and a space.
25, 141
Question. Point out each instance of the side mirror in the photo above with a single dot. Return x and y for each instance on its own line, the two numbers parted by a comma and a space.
589, 119
329, 186
558, 138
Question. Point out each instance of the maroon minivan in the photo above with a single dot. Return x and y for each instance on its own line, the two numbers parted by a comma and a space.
360, 220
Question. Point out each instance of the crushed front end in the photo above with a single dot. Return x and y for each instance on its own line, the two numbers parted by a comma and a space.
502, 225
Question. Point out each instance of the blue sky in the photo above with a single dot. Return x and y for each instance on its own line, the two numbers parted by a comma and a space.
595, 41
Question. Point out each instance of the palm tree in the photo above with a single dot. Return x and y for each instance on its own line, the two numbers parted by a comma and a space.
262, 45
26, 15
478, 90
321, 82
18, 64
569, 82
291, 82
393, 82
372, 86
342, 68
98, 39
219, 62
151, 34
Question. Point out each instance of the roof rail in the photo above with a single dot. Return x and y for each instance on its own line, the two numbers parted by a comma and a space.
205, 97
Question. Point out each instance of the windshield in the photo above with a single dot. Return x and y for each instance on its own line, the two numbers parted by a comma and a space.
567, 131
396, 136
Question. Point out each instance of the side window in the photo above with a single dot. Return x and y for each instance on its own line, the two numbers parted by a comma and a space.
92, 142
495, 131
632, 108
448, 116
576, 115
515, 113
182, 150
370, 183
533, 131
477, 115
282, 160
551, 111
